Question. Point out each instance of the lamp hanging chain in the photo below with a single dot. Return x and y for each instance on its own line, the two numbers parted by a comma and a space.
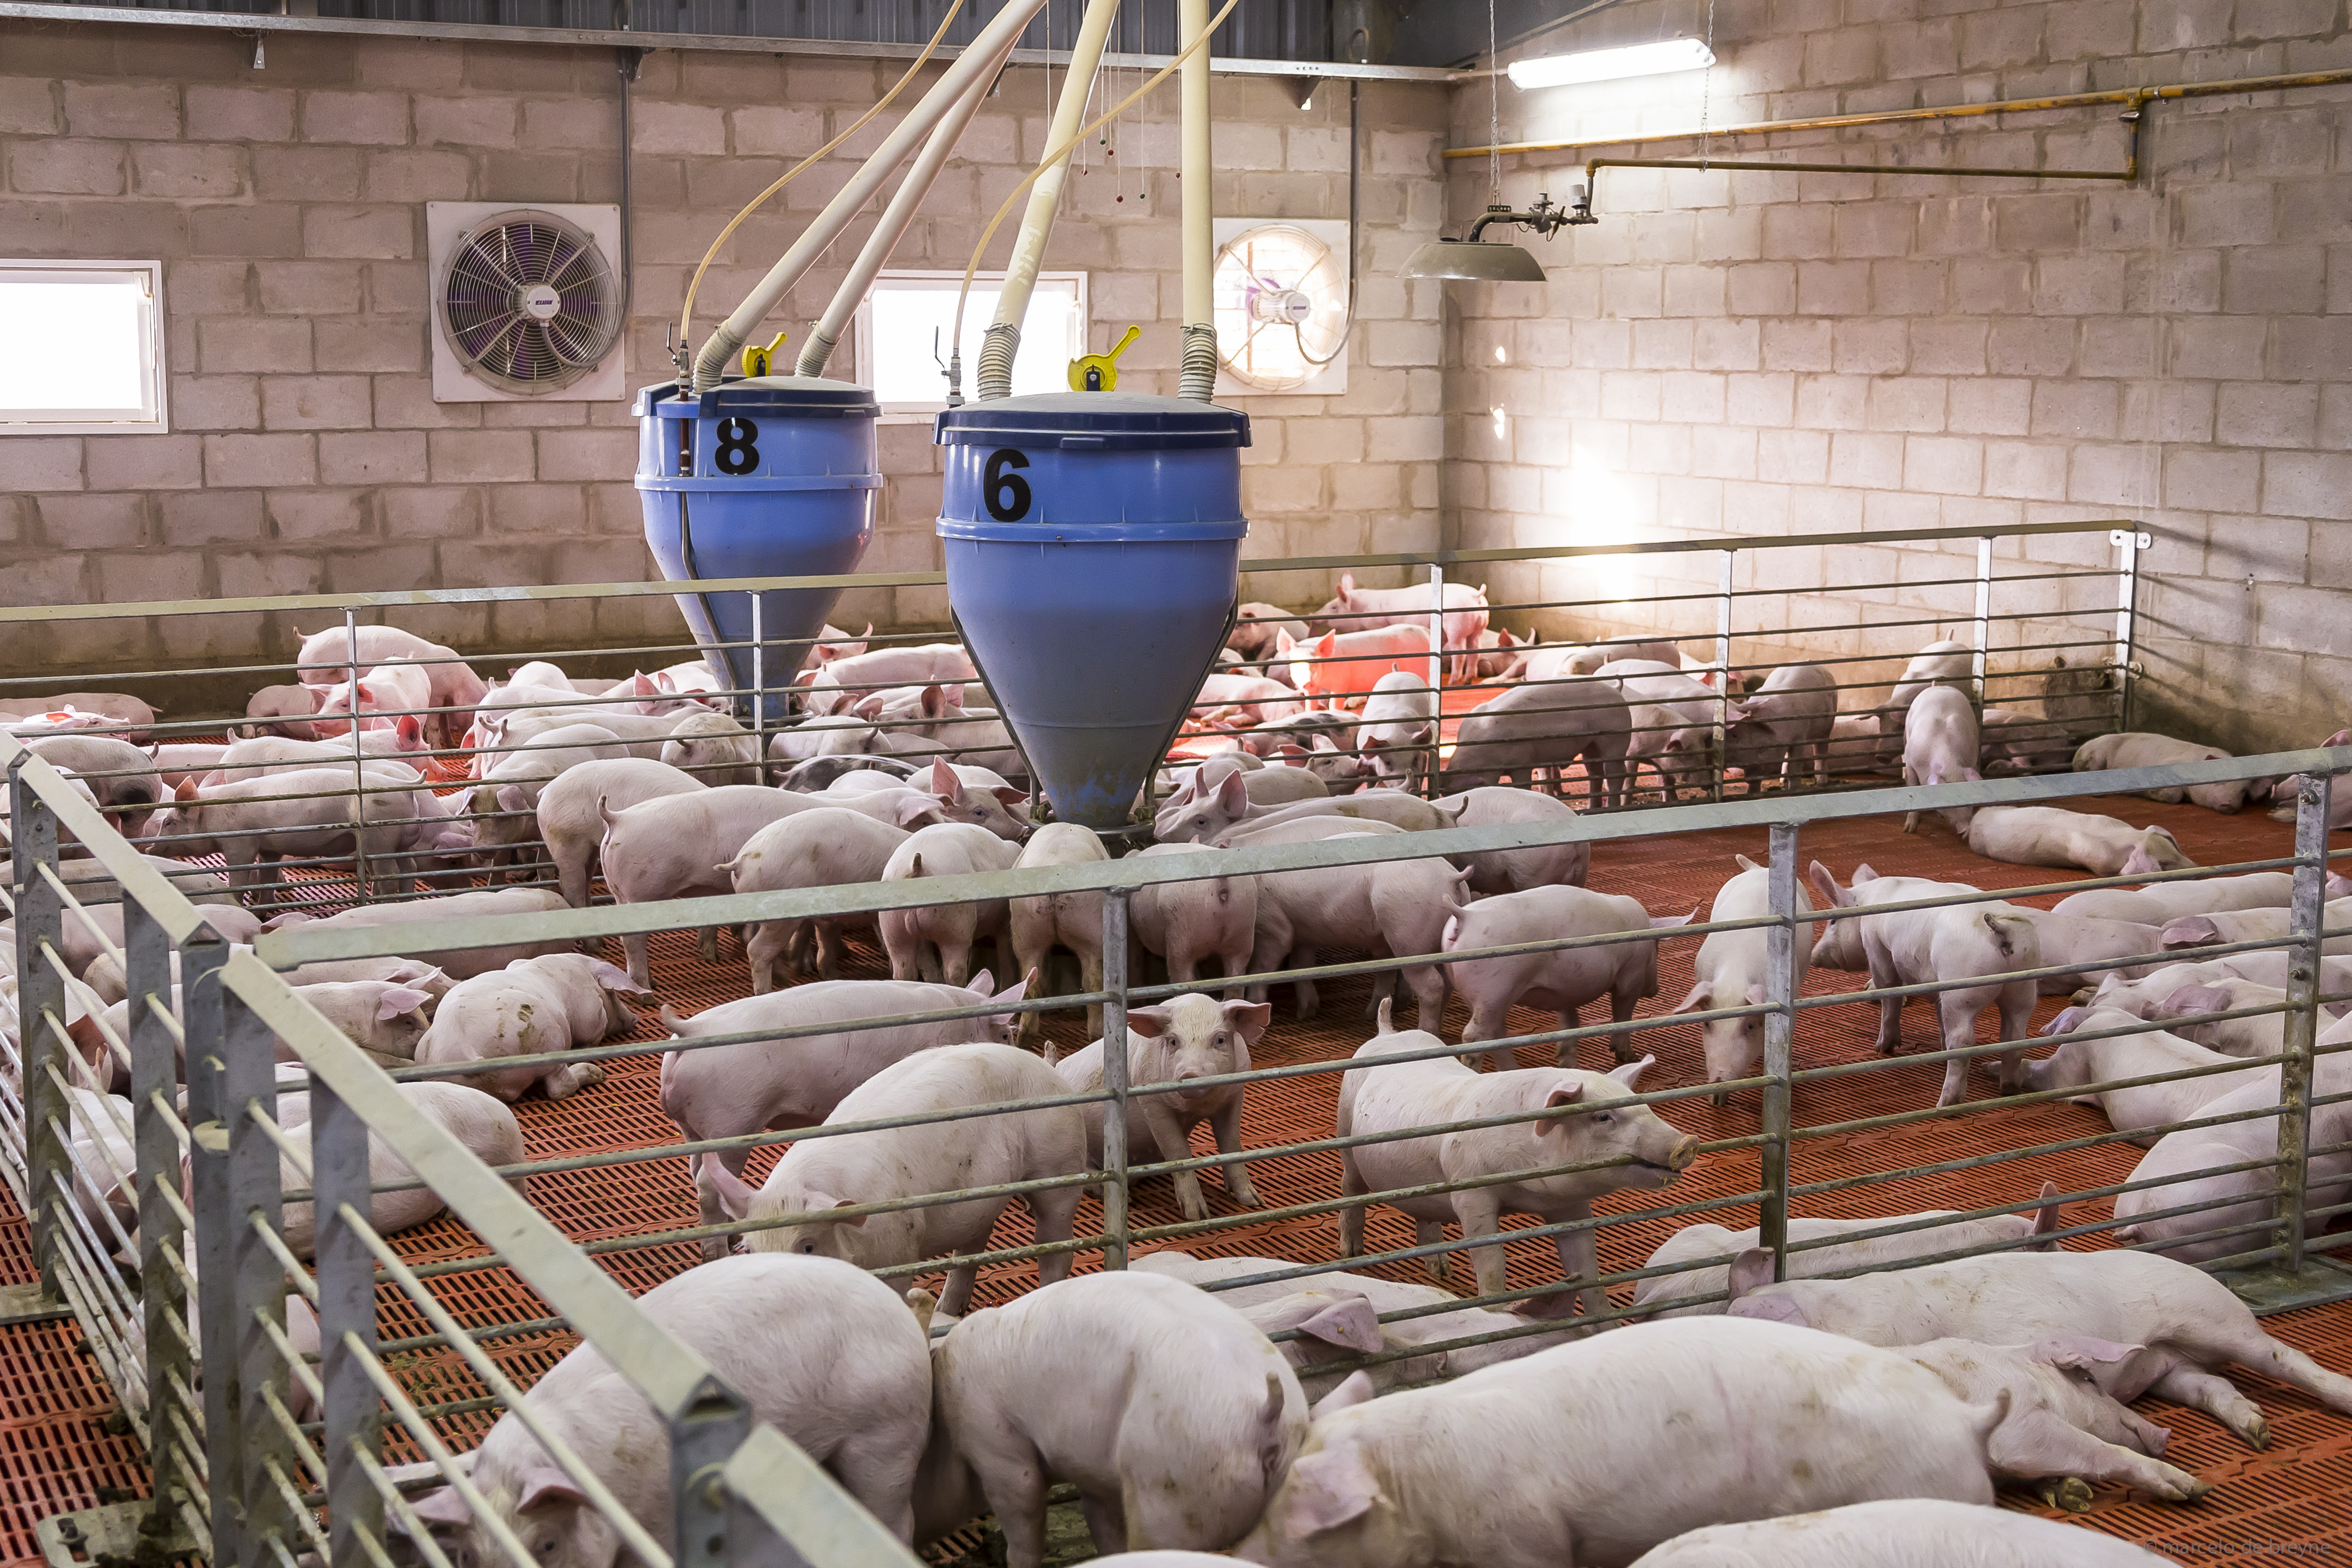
1707, 87
1495, 111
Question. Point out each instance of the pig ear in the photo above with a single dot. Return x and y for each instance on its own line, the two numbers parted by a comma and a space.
1149, 1022
1564, 1094
818, 1202
398, 1000
1751, 1270
944, 781
546, 1484
869, 708
611, 977
983, 984
1865, 873
1354, 1389
1664, 922
1248, 1019
1347, 584
2194, 1001
914, 808
1327, 645
186, 791
1327, 1488
1745, 864
2080, 1352
1008, 797
1283, 641
934, 700
442, 1509
1827, 886
1694, 1002
1756, 995
511, 798
1630, 1073
1972, 775
1018, 989
734, 1194
1232, 795
2049, 1218
1351, 1323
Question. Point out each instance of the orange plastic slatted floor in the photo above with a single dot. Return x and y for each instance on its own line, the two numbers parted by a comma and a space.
54, 1455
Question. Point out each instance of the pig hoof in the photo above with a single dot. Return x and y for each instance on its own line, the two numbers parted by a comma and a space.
2070, 1493
2256, 1432
586, 1073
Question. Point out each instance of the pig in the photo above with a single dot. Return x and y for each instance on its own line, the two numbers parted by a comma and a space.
188, 760
2142, 1109
2256, 925
1672, 719
1247, 697
2057, 1424
532, 1006
2139, 749
1462, 608
674, 847
386, 1018
254, 823
1958, 941
2164, 902
336, 655
2051, 836
1166, 1450
506, 803
1937, 664
940, 794
380, 750
1309, 731
1530, 727
1338, 666
934, 941
1183, 1038
2187, 1007
1856, 744
1254, 624
1184, 923
823, 1352
1665, 1294
827, 848
487, 1129
2019, 742
1732, 971
2140, 998
771, 1085
1392, 908
1562, 865
1318, 1327
117, 714
2005, 1297
843, 681
1071, 920
1377, 1097
459, 963
1563, 979
2091, 949
1438, 1475
1917, 1532
714, 749
378, 699
1940, 746
1649, 651
569, 821
818, 775
120, 776
818, 1175
1399, 732
2288, 790
639, 735
1390, 807
1787, 725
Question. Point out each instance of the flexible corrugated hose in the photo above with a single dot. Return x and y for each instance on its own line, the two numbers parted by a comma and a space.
1198, 380
996, 350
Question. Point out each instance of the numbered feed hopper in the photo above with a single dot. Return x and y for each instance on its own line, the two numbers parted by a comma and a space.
771, 477
1093, 543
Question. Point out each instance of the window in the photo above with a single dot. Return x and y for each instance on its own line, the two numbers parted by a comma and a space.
85, 348
906, 316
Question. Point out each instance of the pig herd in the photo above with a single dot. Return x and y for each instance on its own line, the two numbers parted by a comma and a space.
1811, 1420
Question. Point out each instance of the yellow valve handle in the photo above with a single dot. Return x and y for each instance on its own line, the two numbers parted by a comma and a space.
1099, 372
757, 360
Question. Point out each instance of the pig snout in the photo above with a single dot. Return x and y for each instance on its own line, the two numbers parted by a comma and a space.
1679, 1153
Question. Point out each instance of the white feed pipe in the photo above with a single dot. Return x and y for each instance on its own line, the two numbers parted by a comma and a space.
887, 234
1045, 199
1198, 378
975, 64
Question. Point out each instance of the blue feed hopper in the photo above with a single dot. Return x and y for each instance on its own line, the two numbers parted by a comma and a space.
1093, 543
771, 477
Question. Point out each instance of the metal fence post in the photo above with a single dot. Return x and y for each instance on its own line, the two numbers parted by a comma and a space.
1984, 619
248, 1076
1781, 984
1114, 970
1723, 677
204, 1005
154, 1078
41, 994
358, 758
2130, 542
759, 678
1431, 785
340, 1177
2306, 915
702, 1438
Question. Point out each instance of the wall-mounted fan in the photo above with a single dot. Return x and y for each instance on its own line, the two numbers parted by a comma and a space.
526, 304
1282, 305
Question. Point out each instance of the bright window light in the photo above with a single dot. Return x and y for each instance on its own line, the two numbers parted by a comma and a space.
906, 316
85, 348
1609, 65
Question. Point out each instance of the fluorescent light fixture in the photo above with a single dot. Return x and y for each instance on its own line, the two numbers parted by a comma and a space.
1610, 65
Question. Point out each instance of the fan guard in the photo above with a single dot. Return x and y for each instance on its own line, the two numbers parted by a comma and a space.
528, 303
1282, 307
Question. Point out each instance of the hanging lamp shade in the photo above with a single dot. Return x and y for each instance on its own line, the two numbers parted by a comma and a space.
1475, 261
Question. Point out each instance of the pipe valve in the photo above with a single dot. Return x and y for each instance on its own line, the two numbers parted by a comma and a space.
757, 360
1099, 372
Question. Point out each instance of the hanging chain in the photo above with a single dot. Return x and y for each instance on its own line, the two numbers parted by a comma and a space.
1495, 111
1707, 86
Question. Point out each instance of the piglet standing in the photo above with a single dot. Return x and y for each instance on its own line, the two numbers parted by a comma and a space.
1940, 746
1175, 1423
1733, 971
1563, 979
1184, 1038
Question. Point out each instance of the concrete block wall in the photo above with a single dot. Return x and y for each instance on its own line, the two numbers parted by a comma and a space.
1770, 355
306, 451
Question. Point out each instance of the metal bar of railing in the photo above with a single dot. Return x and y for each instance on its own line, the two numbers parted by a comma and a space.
2301, 1023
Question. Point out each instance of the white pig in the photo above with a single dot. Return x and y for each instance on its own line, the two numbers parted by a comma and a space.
2049, 836
1940, 746
2139, 749
1766, 1420
1183, 1038
765, 1085
1787, 725
1184, 923
506, 802
1524, 729
1731, 971
459, 963
827, 847
1917, 1532
823, 1352
1392, 1097
569, 823
2006, 1297
1175, 1425
2162, 902
1398, 728
1957, 942
2092, 949
714, 749
2256, 925
674, 847
531, 1006
1072, 921
384, 1017
486, 1128
1393, 907
1563, 979
1463, 609
254, 823
2142, 1109
1534, 865
1662, 1292
934, 941
820, 1174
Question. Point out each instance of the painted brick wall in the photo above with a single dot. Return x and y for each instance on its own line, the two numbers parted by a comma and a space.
1767, 354
307, 453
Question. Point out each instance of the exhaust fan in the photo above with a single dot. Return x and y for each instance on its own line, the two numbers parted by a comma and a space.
526, 305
